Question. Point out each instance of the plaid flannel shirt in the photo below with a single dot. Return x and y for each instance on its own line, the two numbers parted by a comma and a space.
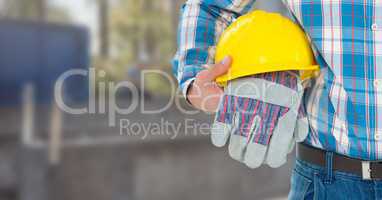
344, 104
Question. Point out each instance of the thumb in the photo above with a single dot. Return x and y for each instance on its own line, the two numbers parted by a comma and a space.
216, 70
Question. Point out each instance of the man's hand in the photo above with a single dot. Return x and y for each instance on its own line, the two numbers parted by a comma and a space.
204, 93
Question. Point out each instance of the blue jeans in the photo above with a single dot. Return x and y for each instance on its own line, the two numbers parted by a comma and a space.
310, 181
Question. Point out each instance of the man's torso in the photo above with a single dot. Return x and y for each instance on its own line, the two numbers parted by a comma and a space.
344, 104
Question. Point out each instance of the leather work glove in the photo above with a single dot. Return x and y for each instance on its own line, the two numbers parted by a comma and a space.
301, 129
258, 116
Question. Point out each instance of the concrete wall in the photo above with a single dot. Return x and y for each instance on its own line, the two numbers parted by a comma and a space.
187, 167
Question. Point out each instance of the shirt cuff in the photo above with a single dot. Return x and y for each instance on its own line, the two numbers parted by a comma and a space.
185, 87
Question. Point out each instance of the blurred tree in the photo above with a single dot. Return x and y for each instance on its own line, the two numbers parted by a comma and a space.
143, 31
31, 9
104, 27
38, 10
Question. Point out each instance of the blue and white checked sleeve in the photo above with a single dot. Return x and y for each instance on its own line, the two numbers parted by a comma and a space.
201, 24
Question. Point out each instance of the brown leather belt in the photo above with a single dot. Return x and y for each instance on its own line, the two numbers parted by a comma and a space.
366, 169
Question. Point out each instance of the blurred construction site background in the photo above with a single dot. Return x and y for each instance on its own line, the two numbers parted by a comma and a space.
95, 151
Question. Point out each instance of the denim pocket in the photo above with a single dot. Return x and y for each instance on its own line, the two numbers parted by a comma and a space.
299, 186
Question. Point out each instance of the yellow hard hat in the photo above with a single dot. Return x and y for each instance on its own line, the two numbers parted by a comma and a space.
261, 42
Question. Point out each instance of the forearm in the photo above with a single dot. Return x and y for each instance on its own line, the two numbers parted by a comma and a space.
200, 26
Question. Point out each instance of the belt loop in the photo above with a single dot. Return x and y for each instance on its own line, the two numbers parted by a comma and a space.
329, 167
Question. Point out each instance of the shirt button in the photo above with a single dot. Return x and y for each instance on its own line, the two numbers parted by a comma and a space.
344, 126
374, 27
378, 136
